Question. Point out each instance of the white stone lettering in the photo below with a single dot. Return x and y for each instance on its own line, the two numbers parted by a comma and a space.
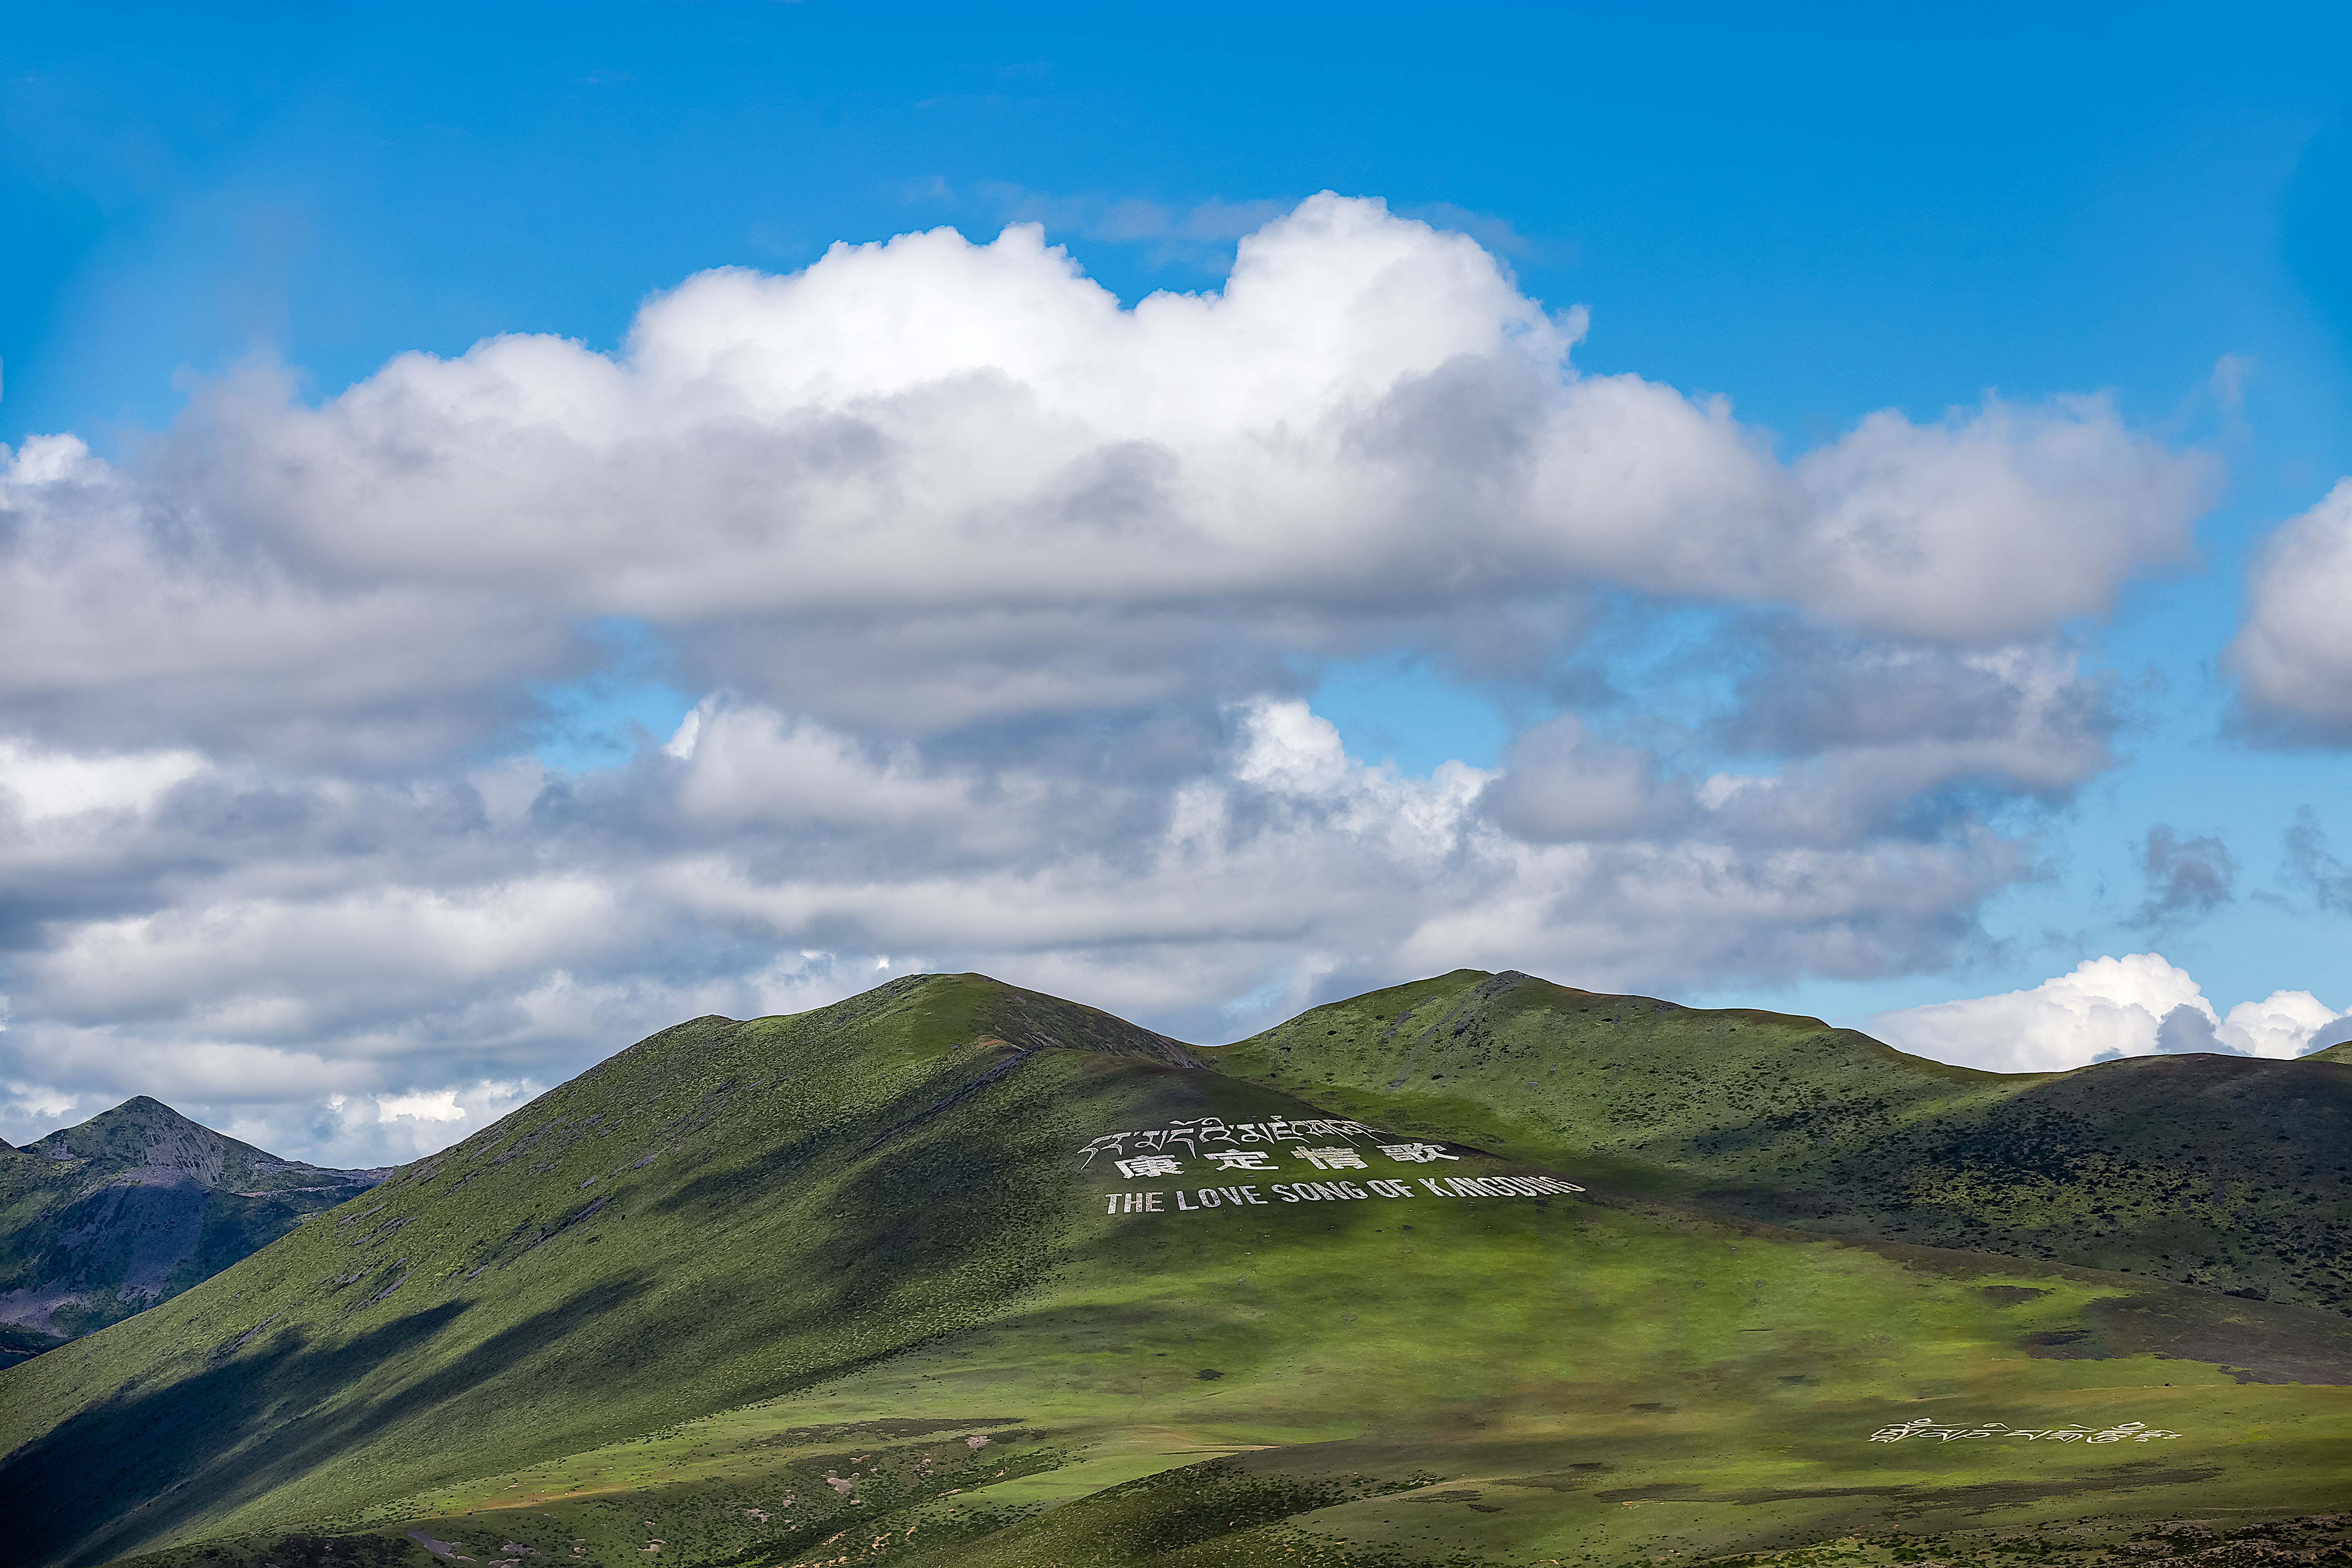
1114, 1143
1136, 1167
1203, 1135
1964, 1432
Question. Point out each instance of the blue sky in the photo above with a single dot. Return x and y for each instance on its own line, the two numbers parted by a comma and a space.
1816, 217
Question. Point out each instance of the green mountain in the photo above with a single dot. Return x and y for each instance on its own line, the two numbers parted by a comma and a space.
2339, 1052
892, 1282
2220, 1170
131, 1207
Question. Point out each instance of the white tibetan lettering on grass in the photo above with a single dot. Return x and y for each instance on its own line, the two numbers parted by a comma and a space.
1190, 1135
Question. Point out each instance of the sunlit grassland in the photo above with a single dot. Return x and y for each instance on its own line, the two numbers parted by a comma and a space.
1729, 1382
2220, 1171
753, 1293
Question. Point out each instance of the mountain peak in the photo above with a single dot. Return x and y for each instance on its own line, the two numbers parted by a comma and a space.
955, 1225
126, 1132
118, 1212
146, 1110
1033, 1020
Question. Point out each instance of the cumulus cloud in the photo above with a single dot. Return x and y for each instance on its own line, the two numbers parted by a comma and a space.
2294, 653
128, 623
929, 482
1002, 597
390, 944
2137, 1005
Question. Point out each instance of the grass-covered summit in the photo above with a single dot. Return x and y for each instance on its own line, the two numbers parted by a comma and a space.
955, 1273
133, 1206
2225, 1172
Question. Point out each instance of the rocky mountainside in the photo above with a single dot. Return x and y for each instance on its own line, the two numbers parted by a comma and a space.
891, 1282
131, 1207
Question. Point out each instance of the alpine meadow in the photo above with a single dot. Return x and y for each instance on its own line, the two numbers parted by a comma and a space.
1476, 1270
1371, 786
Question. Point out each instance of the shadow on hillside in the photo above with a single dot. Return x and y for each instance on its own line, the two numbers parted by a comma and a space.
144, 1465
957, 1179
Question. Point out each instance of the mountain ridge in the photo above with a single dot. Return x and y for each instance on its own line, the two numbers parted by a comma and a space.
1785, 1118
890, 1283
123, 1211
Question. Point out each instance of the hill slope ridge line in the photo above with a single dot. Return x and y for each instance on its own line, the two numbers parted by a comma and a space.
2220, 1171
742, 1285
116, 1214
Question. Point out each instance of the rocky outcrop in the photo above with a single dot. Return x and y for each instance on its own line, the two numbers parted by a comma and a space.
133, 1206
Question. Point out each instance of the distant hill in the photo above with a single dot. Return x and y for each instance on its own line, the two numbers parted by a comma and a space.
2225, 1172
890, 1282
131, 1207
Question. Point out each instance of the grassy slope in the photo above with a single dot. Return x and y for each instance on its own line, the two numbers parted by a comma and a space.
721, 1212
842, 1246
134, 1205
1359, 1360
2221, 1172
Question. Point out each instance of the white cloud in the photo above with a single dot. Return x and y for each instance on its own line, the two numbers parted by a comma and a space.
2284, 1023
131, 619
439, 1105
929, 482
752, 765
29, 1105
1990, 527
2295, 652
49, 783
2139, 1005
1002, 596
384, 1129
298, 963
384, 951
